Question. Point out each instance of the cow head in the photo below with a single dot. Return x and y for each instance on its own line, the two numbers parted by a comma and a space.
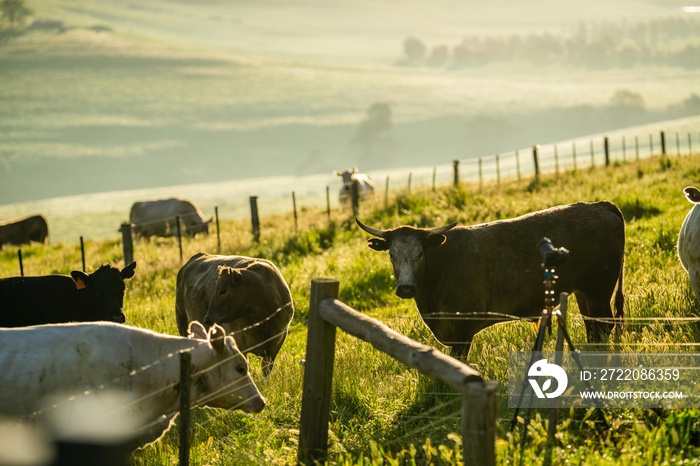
105, 287
407, 248
693, 194
227, 302
223, 381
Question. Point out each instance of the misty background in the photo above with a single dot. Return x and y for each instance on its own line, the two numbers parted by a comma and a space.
106, 96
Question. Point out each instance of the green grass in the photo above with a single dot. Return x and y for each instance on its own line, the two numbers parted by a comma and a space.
382, 412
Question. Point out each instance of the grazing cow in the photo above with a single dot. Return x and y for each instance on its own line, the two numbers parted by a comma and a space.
247, 296
159, 218
495, 267
24, 231
365, 186
52, 299
51, 366
689, 240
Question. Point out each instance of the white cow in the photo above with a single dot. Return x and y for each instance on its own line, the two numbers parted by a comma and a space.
365, 185
689, 240
50, 367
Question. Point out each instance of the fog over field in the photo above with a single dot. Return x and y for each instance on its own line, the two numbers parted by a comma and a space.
105, 95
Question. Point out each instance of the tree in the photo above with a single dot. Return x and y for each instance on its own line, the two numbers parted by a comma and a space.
414, 49
14, 11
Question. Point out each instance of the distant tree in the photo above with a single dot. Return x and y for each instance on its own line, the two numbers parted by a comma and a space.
439, 55
414, 49
625, 98
14, 12
374, 138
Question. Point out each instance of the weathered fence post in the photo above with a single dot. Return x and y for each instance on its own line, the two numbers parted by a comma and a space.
355, 196
636, 147
690, 144
386, 193
21, 265
678, 145
435, 169
408, 186
294, 207
592, 153
185, 374
517, 163
624, 149
328, 202
318, 377
455, 168
179, 235
556, 160
127, 243
606, 149
498, 170
481, 175
535, 160
82, 252
663, 142
254, 218
218, 231
479, 413
573, 152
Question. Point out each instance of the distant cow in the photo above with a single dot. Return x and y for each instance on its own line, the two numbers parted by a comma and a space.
365, 186
24, 231
159, 218
247, 296
51, 367
495, 267
51, 299
689, 240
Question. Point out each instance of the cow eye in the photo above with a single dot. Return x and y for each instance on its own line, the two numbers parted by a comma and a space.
222, 291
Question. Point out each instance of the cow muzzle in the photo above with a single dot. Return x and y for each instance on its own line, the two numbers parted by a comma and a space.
406, 291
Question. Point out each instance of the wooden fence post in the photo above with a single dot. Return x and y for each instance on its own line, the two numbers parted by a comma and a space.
328, 202
318, 377
479, 413
481, 176
410, 175
636, 147
592, 153
127, 243
435, 169
663, 142
556, 160
517, 163
255, 221
82, 252
21, 265
184, 421
455, 168
498, 170
678, 145
294, 207
218, 231
606, 149
624, 149
386, 193
573, 152
179, 235
690, 144
536, 162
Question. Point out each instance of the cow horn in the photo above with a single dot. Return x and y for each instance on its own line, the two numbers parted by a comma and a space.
370, 230
441, 230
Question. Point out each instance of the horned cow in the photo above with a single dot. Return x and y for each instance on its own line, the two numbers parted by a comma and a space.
54, 365
495, 267
247, 296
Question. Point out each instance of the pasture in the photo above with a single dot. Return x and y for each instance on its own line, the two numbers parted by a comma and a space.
383, 413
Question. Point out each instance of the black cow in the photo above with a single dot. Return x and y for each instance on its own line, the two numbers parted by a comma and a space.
52, 299
495, 267
24, 231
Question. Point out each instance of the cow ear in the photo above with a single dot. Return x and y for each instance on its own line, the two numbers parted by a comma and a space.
378, 244
197, 330
217, 337
82, 280
434, 242
129, 271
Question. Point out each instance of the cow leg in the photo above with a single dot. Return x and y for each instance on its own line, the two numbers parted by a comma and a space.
267, 363
596, 331
460, 351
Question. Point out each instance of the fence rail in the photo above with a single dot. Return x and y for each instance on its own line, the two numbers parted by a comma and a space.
479, 406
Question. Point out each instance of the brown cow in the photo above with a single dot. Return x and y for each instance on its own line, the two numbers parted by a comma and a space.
495, 267
24, 231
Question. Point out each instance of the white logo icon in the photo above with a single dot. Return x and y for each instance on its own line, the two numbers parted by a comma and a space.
543, 369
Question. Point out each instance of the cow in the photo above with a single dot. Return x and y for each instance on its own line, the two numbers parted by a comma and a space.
365, 185
24, 231
52, 299
48, 367
247, 296
689, 240
159, 218
495, 267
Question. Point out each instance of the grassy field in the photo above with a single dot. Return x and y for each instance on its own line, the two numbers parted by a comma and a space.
383, 413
